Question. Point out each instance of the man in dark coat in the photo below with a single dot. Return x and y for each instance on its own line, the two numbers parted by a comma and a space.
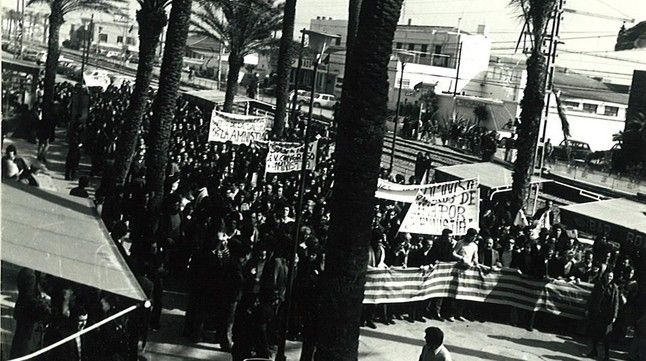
31, 313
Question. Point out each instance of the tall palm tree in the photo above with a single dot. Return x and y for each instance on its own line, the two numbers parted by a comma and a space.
354, 9
152, 20
58, 10
246, 28
359, 142
165, 103
536, 14
284, 66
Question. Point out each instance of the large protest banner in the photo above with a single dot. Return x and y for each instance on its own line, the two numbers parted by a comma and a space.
505, 286
239, 129
287, 157
453, 205
398, 192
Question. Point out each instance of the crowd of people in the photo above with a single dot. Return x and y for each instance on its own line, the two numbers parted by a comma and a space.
227, 230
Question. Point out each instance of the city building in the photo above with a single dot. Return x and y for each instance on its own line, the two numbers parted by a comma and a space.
594, 110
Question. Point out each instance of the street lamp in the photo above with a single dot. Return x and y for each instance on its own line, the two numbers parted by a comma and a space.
402, 56
318, 42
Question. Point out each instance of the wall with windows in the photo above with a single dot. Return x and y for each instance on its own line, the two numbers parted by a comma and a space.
591, 121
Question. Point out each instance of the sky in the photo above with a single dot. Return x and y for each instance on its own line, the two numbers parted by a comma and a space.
501, 20
580, 33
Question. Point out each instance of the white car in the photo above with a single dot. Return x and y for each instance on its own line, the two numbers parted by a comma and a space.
320, 100
302, 94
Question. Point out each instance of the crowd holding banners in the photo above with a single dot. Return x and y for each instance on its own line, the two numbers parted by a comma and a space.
398, 192
501, 286
440, 206
237, 129
224, 238
287, 157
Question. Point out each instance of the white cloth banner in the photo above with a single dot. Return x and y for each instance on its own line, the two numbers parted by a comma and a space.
283, 157
399, 192
453, 205
239, 129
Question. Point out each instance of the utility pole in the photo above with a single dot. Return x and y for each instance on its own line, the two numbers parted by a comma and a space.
552, 41
89, 35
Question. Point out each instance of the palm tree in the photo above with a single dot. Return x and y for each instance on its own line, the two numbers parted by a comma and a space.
58, 10
151, 19
165, 103
247, 27
284, 66
536, 14
361, 120
354, 9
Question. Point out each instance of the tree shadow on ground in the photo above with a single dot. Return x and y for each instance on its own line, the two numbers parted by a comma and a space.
483, 355
566, 346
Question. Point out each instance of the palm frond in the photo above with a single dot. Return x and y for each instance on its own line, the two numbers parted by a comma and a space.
68, 6
32, 2
246, 26
565, 124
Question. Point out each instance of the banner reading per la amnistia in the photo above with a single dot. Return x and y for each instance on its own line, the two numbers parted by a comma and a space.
239, 129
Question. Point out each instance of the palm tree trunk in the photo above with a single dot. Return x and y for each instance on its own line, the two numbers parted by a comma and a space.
165, 103
359, 142
151, 24
284, 67
51, 64
354, 8
530, 120
235, 64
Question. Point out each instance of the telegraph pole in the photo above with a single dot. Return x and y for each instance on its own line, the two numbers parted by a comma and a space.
551, 44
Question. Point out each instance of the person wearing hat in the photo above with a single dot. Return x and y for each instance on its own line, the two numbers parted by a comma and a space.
434, 349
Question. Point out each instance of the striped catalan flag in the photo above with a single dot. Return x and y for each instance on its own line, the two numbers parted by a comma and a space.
506, 286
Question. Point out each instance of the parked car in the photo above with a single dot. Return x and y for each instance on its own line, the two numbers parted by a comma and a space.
320, 100
570, 149
302, 95
31, 55
113, 54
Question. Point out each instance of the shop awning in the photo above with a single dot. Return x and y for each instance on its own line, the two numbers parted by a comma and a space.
63, 236
624, 220
495, 177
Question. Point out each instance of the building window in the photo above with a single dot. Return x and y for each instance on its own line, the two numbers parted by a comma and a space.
103, 38
438, 49
399, 45
590, 108
130, 40
338, 41
405, 83
119, 39
424, 49
571, 105
411, 46
611, 111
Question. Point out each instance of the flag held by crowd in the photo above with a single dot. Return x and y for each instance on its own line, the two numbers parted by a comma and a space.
453, 205
288, 157
236, 128
505, 286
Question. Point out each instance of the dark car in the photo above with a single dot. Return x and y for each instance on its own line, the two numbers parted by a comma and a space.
571, 150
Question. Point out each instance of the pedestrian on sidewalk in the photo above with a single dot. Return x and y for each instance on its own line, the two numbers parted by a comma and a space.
434, 349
